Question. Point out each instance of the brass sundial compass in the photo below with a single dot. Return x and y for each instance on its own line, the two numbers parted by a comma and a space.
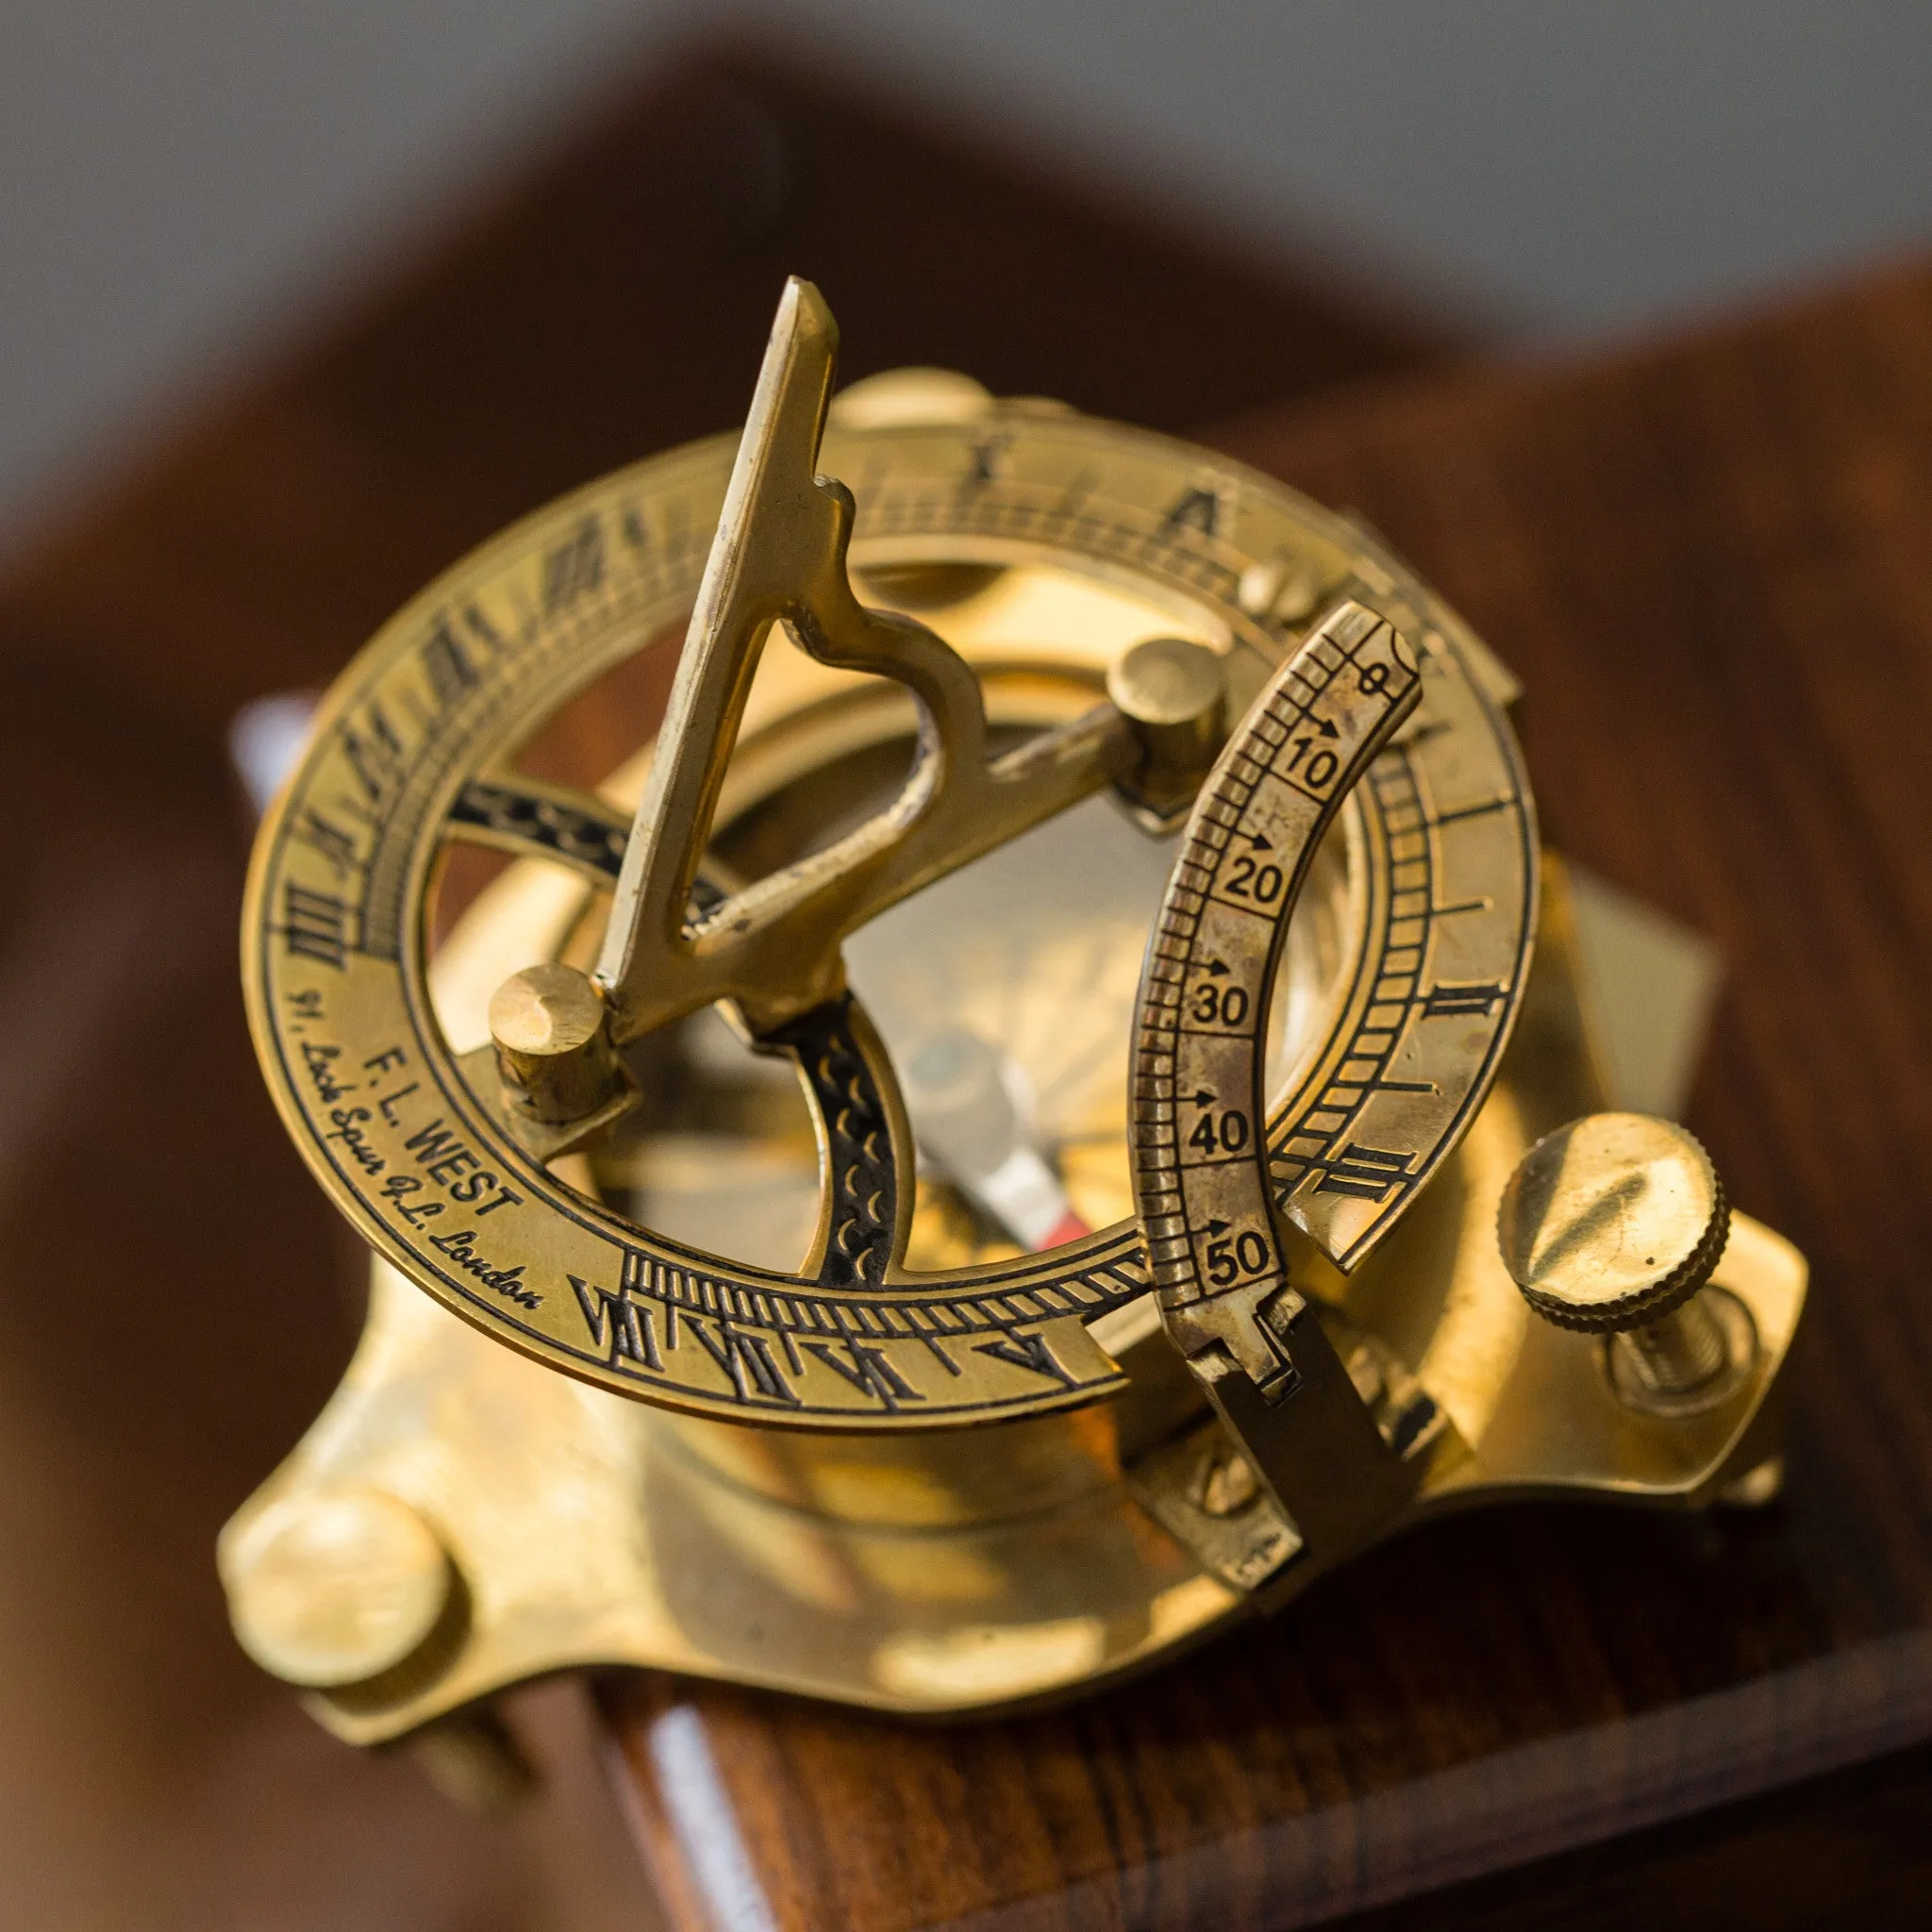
999, 1107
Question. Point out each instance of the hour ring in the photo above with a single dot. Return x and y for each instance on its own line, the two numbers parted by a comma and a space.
417, 744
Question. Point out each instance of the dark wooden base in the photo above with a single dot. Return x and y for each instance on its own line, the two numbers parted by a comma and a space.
1853, 1849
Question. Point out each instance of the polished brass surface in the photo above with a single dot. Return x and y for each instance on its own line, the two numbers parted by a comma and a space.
799, 1089
1174, 699
547, 1025
1047, 546
1686, 1357
938, 1572
1611, 1222
780, 556
1261, 1252
340, 1589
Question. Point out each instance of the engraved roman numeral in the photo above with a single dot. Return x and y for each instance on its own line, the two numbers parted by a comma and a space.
325, 836
574, 568
1451, 1001
1198, 509
376, 753
620, 1331
447, 666
1368, 1173
869, 1371
1026, 1351
484, 631
986, 460
748, 1359
314, 925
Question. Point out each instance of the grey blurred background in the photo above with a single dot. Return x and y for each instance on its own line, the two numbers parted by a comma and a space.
185, 184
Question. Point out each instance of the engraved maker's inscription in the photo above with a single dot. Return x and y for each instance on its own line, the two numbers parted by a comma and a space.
507, 1282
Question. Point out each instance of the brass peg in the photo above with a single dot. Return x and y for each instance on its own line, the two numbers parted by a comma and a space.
553, 1049
1613, 1225
1173, 696
337, 1588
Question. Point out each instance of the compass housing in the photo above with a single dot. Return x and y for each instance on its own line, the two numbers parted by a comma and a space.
1010, 1456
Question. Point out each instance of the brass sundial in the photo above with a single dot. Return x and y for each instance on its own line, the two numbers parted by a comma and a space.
999, 1111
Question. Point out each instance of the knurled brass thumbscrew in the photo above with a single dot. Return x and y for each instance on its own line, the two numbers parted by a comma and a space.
1613, 1224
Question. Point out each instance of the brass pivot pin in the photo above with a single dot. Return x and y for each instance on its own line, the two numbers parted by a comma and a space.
1613, 1225
1175, 698
552, 1047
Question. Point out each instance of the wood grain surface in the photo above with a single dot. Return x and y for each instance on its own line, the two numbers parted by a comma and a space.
1850, 1849
1712, 564
178, 1299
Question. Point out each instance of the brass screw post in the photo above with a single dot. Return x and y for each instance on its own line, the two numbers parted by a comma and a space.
1175, 698
1224, 1484
552, 1047
1613, 1225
